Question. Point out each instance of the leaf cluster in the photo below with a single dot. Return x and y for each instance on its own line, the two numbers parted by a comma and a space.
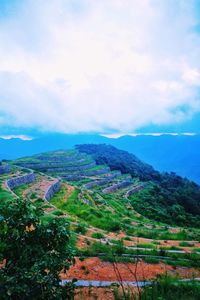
32, 253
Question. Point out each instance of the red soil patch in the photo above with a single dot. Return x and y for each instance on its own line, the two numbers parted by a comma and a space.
40, 187
174, 230
49, 209
95, 269
81, 242
118, 236
70, 189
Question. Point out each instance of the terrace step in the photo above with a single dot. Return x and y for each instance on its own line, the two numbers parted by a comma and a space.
135, 189
118, 186
46, 165
72, 168
105, 179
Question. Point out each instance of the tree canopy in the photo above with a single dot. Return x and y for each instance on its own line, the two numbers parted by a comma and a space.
32, 253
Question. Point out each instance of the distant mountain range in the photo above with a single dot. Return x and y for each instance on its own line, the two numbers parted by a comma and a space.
180, 154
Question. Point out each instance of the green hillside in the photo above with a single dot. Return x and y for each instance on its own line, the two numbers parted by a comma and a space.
167, 197
118, 207
114, 184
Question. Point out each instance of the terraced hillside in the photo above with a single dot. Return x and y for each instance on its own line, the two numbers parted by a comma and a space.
107, 222
80, 169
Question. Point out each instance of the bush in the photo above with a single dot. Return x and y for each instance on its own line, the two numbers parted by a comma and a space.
81, 229
186, 244
97, 235
34, 253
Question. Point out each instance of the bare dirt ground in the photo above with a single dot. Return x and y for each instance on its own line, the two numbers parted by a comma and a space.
95, 269
40, 187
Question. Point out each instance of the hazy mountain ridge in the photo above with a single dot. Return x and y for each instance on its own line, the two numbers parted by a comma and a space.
166, 153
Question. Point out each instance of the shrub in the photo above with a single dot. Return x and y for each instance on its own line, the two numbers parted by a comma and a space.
34, 253
97, 235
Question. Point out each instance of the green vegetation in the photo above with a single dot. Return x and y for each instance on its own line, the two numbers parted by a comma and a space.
168, 198
164, 199
116, 251
167, 288
186, 244
119, 160
20, 190
162, 234
146, 245
196, 250
81, 228
97, 235
76, 206
178, 205
4, 195
33, 252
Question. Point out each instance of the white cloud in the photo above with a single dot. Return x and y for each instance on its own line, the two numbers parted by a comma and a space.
86, 65
16, 136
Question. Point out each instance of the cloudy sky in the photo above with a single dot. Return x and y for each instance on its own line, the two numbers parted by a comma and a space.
99, 66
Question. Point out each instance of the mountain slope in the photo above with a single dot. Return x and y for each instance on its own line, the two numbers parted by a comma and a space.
119, 160
167, 197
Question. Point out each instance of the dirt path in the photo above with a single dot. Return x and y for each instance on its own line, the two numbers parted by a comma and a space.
70, 189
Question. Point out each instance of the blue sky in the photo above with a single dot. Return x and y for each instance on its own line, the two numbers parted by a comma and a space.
99, 66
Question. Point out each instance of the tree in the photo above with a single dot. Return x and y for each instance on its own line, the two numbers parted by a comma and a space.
32, 253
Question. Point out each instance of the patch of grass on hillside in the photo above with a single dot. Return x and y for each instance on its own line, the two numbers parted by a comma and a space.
4, 195
112, 252
186, 244
146, 245
97, 235
20, 189
92, 215
81, 228
196, 250
167, 287
46, 218
162, 234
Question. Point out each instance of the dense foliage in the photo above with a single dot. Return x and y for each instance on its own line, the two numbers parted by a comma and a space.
168, 198
119, 160
170, 202
32, 253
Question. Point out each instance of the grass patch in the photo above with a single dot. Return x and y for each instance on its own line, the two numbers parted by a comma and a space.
146, 245
167, 288
186, 244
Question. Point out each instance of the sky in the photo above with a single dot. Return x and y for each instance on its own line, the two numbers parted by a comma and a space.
109, 66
